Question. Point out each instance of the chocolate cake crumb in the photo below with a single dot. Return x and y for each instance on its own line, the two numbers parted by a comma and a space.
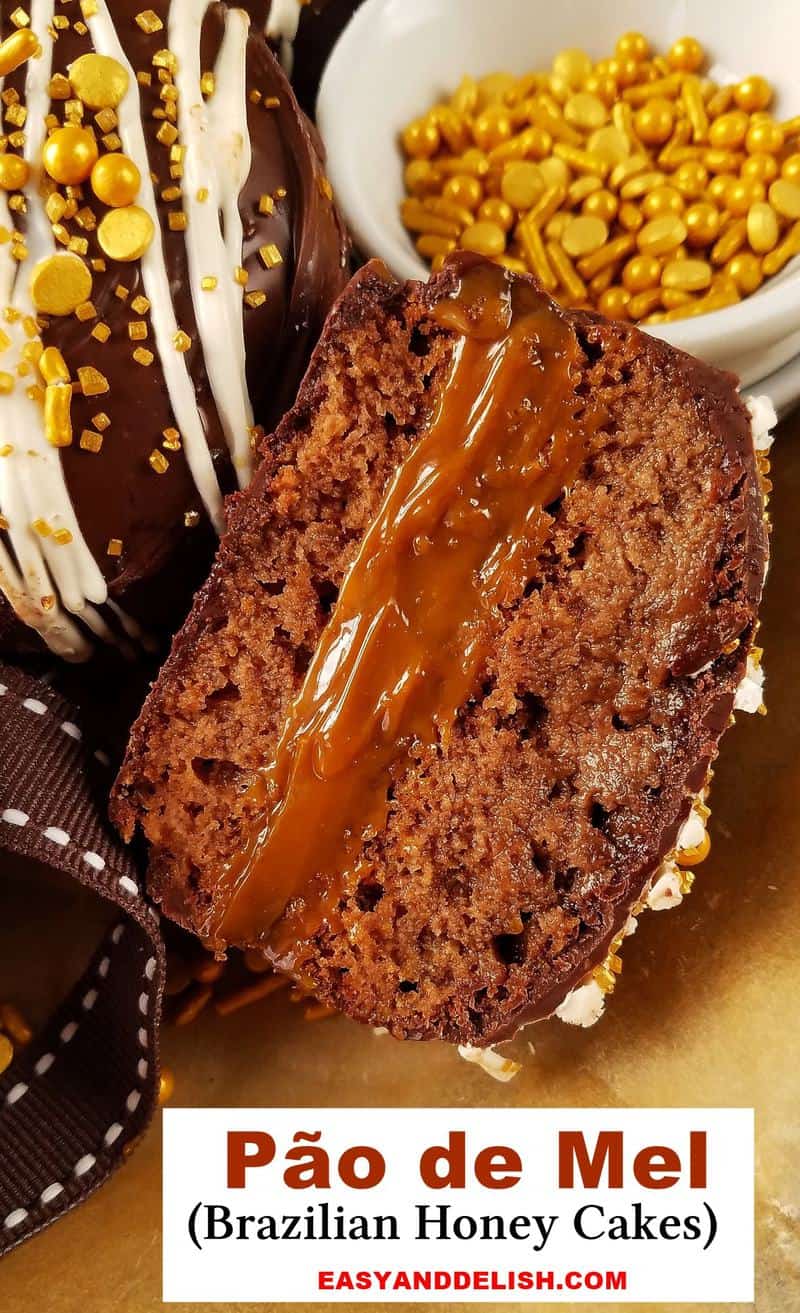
512, 853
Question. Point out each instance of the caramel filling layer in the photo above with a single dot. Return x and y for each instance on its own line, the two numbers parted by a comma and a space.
455, 541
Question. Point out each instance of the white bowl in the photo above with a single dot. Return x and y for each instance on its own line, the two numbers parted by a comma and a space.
397, 57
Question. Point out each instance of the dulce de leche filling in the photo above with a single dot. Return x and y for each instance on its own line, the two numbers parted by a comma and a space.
454, 543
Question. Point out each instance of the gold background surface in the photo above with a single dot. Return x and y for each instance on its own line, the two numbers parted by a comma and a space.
705, 1014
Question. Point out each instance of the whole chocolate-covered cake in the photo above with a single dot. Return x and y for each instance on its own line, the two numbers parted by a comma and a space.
169, 249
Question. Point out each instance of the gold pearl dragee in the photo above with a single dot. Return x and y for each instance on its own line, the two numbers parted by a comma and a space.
634, 184
115, 180
70, 153
14, 172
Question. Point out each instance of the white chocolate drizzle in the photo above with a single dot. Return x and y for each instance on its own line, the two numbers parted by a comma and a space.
217, 153
156, 280
282, 24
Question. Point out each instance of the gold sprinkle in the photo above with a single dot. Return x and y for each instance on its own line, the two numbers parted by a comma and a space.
55, 206
99, 266
122, 291
19, 251
7, 382
81, 28
240, 275
191, 519
177, 154
4, 523
17, 115
272, 102
41, 527
5, 340
35, 393
177, 221
167, 134
255, 299
202, 194
53, 366
101, 421
100, 81
137, 330
144, 78
181, 341
101, 332
92, 382
106, 119
85, 311
158, 461
86, 219
208, 84
171, 194
143, 357
208, 283
140, 305
74, 109
88, 9
126, 233
90, 441
326, 188
78, 245
149, 21
60, 283
172, 439
62, 537
19, 18
270, 255
165, 59
266, 204
114, 547
6, 448
279, 193
255, 96
59, 87
57, 414
112, 142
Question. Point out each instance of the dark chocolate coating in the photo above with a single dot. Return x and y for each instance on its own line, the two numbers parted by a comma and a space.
116, 493
321, 24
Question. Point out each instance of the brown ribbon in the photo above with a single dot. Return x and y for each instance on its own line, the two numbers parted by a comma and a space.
75, 1099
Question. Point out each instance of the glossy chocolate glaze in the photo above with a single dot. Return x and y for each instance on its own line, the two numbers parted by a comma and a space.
320, 24
116, 493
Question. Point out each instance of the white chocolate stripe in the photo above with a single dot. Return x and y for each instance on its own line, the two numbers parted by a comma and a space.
156, 280
231, 145
282, 24
37, 102
218, 313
